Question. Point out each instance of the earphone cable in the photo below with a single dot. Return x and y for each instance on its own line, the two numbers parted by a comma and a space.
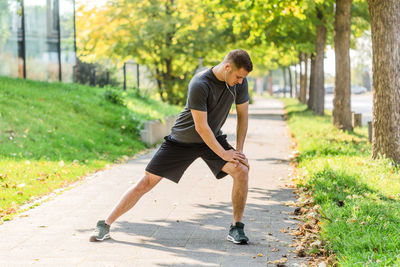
227, 87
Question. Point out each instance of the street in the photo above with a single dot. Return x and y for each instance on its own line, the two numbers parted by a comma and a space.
359, 104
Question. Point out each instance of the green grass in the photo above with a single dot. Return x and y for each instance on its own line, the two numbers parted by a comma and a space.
337, 167
51, 134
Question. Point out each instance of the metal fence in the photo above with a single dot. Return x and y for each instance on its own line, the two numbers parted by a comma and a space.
130, 76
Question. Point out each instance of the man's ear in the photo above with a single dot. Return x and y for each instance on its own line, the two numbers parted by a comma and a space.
228, 67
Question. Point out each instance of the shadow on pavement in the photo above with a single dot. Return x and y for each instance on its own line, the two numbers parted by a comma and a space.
202, 238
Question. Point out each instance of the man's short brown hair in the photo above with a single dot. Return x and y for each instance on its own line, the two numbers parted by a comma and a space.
240, 59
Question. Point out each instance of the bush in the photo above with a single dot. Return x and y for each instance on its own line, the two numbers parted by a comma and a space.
114, 97
95, 75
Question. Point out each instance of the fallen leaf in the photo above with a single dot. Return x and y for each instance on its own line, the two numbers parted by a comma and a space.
300, 251
316, 243
281, 261
260, 255
290, 203
297, 211
275, 249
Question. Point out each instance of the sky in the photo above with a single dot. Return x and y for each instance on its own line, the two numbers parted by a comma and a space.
362, 54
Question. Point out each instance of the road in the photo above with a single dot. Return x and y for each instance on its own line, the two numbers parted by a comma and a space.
359, 104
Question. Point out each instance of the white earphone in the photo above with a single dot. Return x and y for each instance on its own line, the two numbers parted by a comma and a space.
227, 87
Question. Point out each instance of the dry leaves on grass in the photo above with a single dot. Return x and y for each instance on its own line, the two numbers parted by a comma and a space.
306, 240
307, 236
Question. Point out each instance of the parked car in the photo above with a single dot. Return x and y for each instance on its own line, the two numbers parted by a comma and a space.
357, 89
329, 89
281, 90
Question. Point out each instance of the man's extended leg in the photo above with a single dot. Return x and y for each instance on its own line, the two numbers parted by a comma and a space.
240, 175
132, 195
128, 200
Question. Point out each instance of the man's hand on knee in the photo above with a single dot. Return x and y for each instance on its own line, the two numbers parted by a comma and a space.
245, 162
242, 159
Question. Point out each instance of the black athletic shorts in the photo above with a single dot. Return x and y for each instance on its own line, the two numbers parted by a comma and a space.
173, 158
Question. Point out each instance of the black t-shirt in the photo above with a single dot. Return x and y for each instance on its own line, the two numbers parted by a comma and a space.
207, 93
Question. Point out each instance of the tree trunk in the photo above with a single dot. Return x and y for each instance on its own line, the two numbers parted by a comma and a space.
269, 85
295, 81
385, 30
290, 82
160, 85
301, 75
319, 95
311, 90
284, 81
303, 80
341, 102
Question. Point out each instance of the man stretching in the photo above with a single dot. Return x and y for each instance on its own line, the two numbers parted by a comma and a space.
197, 133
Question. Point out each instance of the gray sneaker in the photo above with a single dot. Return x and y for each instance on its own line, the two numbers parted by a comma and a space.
102, 232
237, 235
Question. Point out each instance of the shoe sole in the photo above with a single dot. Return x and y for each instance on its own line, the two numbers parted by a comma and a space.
94, 239
242, 242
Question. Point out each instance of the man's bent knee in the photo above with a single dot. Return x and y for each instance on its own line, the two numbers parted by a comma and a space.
240, 173
242, 170
236, 170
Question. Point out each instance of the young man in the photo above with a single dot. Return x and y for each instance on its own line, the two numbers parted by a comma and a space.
197, 133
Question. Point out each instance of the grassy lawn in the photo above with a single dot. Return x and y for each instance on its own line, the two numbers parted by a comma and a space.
359, 197
52, 134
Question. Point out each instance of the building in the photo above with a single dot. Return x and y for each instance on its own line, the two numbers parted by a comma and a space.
37, 39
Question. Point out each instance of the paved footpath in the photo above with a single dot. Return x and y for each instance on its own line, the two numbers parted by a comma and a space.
173, 225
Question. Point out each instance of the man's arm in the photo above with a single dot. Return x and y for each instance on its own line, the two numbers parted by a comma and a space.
242, 111
205, 132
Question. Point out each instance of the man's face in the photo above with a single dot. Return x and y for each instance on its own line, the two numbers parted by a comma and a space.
235, 76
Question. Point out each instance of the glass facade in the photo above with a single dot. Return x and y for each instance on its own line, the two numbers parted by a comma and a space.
41, 43
67, 34
47, 40
10, 23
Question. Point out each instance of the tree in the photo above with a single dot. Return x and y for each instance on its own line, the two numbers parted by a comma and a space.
319, 65
167, 36
341, 102
280, 30
290, 81
311, 90
385, 29
321, 15
303, 78
351, 19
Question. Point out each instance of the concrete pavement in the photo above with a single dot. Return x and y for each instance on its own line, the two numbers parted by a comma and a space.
172, 225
